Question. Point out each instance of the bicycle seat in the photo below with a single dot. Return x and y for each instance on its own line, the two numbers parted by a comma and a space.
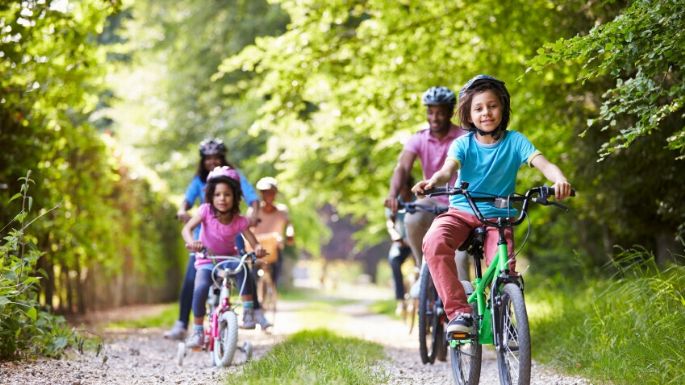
475, 238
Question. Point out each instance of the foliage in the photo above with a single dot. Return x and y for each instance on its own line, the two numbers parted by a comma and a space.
643, 50
53, 67
25, 329
315, 357
623, 330
342, 86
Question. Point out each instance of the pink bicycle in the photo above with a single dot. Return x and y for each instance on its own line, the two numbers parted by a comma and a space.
221, 337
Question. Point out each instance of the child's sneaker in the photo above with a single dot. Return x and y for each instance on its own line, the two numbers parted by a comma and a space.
196, 340
177, 332
261, 319
248, 319
459, 327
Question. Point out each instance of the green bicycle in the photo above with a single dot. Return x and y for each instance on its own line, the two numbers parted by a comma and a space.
499, 309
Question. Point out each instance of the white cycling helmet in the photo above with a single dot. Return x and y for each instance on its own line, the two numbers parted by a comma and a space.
267, 183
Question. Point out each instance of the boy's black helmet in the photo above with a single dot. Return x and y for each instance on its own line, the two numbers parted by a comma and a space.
212, 146
474, 80
435, 96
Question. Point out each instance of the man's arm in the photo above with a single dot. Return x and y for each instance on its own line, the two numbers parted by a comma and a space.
399, 177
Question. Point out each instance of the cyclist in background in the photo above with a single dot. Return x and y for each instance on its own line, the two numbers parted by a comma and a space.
212, 154
273, 222
488, 158
399, 249
430, 146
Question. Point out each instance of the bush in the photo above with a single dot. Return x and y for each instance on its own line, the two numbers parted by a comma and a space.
25, 329
628, 329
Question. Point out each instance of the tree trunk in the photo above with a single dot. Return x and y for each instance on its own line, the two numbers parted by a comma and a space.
68, 290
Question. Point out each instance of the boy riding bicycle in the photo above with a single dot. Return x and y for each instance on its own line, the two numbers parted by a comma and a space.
488, 158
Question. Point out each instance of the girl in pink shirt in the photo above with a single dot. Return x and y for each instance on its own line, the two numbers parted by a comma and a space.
221, 223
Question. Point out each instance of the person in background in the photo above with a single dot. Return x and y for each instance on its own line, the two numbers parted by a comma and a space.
399, 249
273, 223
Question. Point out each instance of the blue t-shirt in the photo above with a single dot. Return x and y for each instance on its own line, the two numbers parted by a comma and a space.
489, 168
196, 191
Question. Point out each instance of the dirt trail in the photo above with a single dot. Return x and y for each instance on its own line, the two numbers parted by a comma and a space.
142, 356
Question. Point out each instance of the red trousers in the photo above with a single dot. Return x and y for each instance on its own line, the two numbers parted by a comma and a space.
446, 234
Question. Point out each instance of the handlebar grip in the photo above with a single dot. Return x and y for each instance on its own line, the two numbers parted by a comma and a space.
436, 191
549, 191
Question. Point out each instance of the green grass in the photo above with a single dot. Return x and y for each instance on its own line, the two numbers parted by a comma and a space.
627, 330
315, 357
164, 319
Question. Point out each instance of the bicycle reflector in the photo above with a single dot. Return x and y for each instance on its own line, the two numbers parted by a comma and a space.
459, 336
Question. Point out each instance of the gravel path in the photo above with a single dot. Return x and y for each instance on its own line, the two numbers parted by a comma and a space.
142, 356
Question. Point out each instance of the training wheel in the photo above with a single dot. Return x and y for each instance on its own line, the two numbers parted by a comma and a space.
180, 353
247, 349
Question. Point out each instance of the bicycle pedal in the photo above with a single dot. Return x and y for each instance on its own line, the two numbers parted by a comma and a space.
459, 336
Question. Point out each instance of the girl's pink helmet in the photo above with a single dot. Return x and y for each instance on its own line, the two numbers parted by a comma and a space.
224, 171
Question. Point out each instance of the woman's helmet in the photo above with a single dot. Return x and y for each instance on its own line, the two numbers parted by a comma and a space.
223, 171
212, 146
435, 96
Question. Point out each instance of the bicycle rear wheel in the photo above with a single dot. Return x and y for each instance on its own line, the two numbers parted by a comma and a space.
431, 336
513, 336
267, 292
227, 341
466, 357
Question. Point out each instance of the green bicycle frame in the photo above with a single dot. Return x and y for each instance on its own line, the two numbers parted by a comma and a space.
499, 263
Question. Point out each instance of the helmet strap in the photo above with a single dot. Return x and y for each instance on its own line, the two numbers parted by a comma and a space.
495, 134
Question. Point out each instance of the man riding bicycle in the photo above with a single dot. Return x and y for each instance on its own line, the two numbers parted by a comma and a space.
430, 145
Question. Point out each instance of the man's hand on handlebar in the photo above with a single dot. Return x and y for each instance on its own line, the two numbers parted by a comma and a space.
392, 204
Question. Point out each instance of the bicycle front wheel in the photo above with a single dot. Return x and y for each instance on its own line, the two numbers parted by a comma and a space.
513, 337
227, 341
431, 336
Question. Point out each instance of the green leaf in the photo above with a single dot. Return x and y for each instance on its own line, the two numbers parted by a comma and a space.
32, 313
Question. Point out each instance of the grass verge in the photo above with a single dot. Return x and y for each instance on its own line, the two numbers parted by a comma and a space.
163, 319
315, 357
627, 330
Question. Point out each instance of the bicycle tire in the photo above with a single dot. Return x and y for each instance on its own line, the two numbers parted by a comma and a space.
513, 333
430, 327
466, 358
227, 341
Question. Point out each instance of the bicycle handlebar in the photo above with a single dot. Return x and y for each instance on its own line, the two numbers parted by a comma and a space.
412, 207
538, 195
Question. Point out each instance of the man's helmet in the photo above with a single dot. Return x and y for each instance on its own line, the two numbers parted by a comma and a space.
212, 146
435, 96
